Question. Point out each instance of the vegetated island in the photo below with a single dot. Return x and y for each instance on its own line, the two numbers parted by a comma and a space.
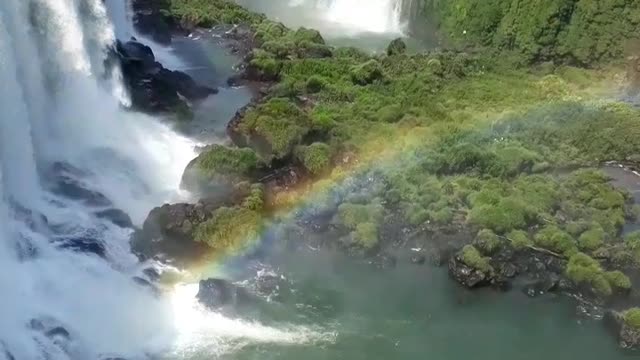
487, 156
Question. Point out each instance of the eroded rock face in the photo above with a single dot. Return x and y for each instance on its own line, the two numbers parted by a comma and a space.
628, 337
152, 87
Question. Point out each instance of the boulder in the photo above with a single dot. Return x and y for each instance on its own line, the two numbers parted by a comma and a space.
466, 275
628, 337
152, 87
542, 286
396, 47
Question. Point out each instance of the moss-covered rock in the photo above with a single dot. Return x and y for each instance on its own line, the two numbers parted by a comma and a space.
472, 257
487, 242
273, 128
555, 239
396, 47
219, 167
367, 72
230, 229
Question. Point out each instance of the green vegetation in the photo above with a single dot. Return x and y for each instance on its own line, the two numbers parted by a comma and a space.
519, 239
487, 241
632, 317
222, 160
584, 269
578, 31
230, 229
553, 238
316, 158
472, 257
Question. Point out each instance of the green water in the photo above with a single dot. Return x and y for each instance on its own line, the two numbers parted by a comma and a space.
416, 312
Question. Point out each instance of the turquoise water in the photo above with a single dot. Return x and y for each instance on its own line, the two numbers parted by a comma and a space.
414, 312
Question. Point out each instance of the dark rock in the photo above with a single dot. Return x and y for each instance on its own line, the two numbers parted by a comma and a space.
540, 287
396, 47
83, 245
116, 216
216, 293
152, 274
50, 328
153, 88
466, 275
168, 231
149, 19
7, 354
146, 284
508, 270
628, 337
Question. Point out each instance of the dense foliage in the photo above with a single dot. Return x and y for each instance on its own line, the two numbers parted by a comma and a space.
583, 32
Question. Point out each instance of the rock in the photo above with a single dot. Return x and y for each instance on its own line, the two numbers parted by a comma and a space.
508, 270
383, 261
396, 47
466, 275
168, 232
149, 19
540, 287
83, 245
628, 337
152, 87
146, 284
116, 216
216, 293
51, 328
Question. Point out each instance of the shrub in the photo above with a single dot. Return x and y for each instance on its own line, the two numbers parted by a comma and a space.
390, 113
553, 238
310, 35
441, 216
519, 239
366, 73
351, 215
507, 215
316, 157
275, 127
472, 257
601, 286
592, 239
582, 268
315, 84
617, 279
366, 235
632, 317
229, 229
487, 241
218, 160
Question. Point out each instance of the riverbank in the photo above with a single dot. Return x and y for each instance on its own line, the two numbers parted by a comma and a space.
481, 162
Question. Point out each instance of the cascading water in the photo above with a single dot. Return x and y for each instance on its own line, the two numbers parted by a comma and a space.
69, 151
375, 16
58, 112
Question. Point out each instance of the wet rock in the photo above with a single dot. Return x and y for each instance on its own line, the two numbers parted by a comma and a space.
508, 270
540, 287
116, 216
168, 232
83, 245
216, 293
146, 284
152, 87
50, 328
149, 19
466, 275
628, 337
7, 354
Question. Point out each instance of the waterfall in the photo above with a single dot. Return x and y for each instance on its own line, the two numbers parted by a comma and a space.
59, 115
373, 16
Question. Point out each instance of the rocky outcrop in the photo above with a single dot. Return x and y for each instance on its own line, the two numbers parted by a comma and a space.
150, 19
628, 336
152, 87
466, 275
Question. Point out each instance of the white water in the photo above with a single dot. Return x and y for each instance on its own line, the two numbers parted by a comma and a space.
338, 18
374, 16
59, 106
